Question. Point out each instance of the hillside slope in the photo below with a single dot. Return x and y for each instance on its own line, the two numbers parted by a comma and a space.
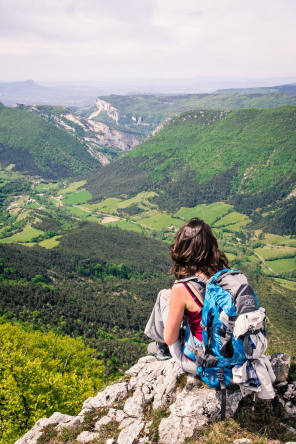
103, 143
141, 114
37, 147
207, 156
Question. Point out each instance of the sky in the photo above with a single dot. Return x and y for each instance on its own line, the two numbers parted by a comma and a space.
96, 40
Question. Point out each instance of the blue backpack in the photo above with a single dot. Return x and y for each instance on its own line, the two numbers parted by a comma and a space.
226, 296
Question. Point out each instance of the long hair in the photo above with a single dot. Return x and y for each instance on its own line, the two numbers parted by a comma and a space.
196, 250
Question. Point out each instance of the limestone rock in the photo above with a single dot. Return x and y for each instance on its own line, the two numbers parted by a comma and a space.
32, 435
154, 384
131, 433
111, 394
281, 365
85, 437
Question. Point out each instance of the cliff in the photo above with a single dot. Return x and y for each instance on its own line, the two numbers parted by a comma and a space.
157, 402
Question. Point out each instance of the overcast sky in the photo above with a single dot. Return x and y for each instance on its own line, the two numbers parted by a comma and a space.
92, 40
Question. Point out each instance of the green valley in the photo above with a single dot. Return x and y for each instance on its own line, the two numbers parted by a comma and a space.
31, 145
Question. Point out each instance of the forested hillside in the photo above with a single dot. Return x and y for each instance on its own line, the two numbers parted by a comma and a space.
140, 114
245, 157
31, 145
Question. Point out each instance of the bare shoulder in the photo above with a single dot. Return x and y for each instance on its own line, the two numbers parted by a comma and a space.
178, 290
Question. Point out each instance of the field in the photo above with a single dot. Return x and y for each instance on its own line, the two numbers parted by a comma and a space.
77, 198
25, 236
72, 187
161, 221
233, 221
275, 255
282, 265
268, 253
285, 283
50, 243
210, 213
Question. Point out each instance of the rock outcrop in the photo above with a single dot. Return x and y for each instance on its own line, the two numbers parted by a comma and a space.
154, 397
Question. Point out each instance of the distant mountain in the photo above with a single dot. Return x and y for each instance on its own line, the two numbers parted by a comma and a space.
34, 146
139, 115
103, 142
245, 156
29, 93
288, 89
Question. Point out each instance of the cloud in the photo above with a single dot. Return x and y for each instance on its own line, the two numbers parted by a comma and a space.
149, 37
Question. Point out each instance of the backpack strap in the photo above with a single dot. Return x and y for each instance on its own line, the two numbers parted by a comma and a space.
221, 379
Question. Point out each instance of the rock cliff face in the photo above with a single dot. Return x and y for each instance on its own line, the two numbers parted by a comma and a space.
95, 135
154, 399
102, 105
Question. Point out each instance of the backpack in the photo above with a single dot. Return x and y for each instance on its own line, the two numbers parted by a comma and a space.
233, 334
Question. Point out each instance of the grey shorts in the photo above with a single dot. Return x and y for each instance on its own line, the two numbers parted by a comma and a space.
154, 330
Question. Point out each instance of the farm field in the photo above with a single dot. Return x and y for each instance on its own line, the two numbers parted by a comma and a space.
161, 221
268, 253
285, 283
25, 236
210, 213
233, 221
50, 243
76, 198
283, 265
72, 187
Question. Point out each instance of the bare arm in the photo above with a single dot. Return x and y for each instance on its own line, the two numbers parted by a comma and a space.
176, 313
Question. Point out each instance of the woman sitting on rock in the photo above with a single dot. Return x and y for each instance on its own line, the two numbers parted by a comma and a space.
194, 252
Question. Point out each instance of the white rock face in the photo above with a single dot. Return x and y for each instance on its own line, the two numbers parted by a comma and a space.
152, 385
102, 105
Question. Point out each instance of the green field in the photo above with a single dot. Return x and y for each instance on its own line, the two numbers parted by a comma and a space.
78, 211
25, 236
274, 253
274, 239
125, 225
107, 206
72, 187
50, 243
285, 283
77, 198
141, 198
210, 213
232, 220
161, 221
43, 186
282, 265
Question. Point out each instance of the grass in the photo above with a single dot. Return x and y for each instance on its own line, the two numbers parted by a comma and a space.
274, 239
25, 236
210, 213
141, 198
275, 253
108, 205
50, 243
282, 265
285, 283
72, 187
77, 198
125, 225
234, 219
78, 211
41, 187
160, 221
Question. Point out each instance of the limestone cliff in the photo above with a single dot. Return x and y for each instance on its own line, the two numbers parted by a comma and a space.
124, 413
95, 135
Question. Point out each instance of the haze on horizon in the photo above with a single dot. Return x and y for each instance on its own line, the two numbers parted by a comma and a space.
147, 40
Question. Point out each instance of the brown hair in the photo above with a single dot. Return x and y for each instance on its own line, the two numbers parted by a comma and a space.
196, 250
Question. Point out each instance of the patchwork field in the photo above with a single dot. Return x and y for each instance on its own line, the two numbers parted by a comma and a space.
210, 213
76, 198
25, 236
